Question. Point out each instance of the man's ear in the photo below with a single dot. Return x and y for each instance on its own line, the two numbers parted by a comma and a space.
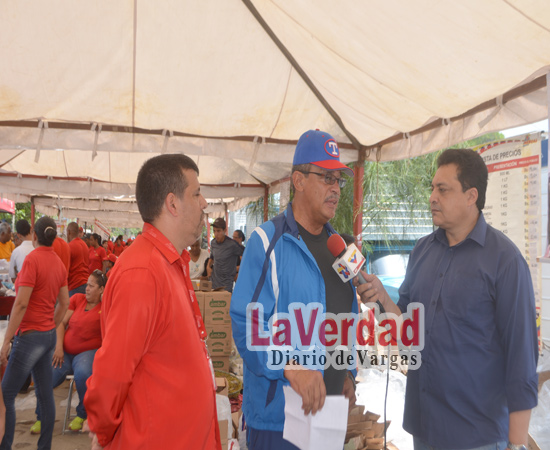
298, 181
472, 196
171, 205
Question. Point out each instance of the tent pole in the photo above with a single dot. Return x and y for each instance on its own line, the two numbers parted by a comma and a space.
266, 203
226, 218
32, 212
207, 232
302, 73
358, 199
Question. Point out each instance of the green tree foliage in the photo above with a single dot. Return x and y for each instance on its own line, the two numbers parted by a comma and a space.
395, 188
22, 211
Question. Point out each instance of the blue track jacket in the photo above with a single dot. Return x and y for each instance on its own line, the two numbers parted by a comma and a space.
290, 274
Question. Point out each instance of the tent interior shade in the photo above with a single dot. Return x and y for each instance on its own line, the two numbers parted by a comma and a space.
87, 94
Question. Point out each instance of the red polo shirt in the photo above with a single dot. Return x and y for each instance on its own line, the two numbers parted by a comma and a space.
45, 273
78, 270
152, 385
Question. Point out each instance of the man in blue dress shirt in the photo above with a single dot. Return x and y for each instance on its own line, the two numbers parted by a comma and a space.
477, 382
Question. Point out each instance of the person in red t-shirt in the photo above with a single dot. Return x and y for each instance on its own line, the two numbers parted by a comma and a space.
62, 249
96, 254
78, 338
119, 246
144, 387
105, 246
78, 270
34, 318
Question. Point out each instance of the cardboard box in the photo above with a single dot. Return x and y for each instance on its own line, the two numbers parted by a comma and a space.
216, 307
224, 426
196, 284
235, 418
206, 285
222, 387
221, 363
219, 339
200, 301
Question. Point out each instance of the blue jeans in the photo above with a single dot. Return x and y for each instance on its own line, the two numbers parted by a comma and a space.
78, 290
81, 367
31, 353
419, 445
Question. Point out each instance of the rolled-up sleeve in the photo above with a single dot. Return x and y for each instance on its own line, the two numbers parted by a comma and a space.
516, 324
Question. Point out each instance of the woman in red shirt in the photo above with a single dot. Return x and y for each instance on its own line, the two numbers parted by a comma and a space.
33, 320
78, 338
97, 253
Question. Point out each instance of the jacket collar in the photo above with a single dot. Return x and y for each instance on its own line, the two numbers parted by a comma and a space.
293, 227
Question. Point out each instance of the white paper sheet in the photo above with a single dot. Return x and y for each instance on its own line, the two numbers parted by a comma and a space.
326, 430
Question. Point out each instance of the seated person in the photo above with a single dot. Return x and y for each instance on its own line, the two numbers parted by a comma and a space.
78, 338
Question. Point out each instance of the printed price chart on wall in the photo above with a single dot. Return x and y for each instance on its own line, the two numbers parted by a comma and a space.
513, 195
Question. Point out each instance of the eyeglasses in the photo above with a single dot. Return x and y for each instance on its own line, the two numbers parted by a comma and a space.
329, 178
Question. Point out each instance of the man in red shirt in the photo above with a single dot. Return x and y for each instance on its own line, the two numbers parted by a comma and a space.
78, 270
154, 361
63, 251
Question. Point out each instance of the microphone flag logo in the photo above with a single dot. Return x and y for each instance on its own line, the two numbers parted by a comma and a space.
343, 270
353, 258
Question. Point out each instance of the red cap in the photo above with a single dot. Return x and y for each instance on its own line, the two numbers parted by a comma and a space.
112, 257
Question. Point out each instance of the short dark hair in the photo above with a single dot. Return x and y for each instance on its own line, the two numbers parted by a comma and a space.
97, 237
471, 171
240, 234
23, 227
45, 229
158, 177
219, 223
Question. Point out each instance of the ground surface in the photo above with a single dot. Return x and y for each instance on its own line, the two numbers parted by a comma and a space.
25, 418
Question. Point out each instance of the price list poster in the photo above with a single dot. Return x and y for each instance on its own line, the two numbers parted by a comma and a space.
513, 196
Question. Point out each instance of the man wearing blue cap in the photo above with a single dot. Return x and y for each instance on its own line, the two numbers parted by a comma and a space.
286, 262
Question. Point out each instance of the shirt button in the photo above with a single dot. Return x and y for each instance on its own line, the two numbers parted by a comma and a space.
433, 303
440, 275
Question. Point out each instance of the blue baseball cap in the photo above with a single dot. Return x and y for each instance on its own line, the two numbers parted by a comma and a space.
320, 149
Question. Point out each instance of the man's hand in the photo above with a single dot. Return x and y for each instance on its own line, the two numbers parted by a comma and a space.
349, 391
372, 290
309, 384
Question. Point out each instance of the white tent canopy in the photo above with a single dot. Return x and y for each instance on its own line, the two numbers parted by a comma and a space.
88, 91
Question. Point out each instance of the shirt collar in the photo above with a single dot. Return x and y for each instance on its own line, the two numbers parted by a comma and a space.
162, 243
477, 234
